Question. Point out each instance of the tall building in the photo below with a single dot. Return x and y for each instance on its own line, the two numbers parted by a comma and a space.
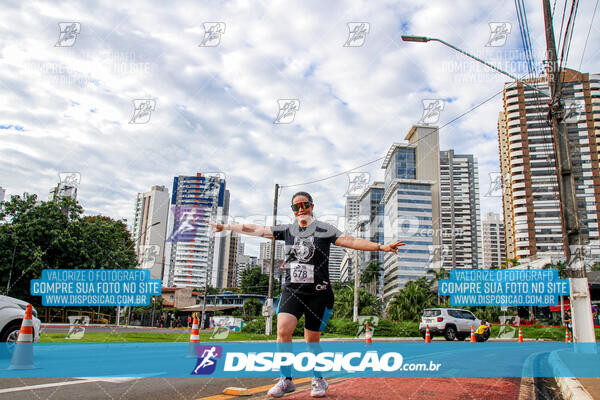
336, 255
492, 234
530, 192
149, 229
196, 257
231, 255
459, 193
371, 212
411, 207
351, 212
265, 250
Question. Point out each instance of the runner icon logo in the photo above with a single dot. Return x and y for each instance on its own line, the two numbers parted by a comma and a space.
207, 362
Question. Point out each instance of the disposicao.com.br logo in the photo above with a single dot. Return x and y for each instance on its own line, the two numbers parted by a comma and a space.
304, 361
323, 362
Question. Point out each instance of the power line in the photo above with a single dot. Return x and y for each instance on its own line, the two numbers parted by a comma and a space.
381, 158
588, 36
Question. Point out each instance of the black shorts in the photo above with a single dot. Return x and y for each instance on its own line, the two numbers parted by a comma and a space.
316, 308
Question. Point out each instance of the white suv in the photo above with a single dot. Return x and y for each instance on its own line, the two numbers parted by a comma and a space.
450, 322
12, 312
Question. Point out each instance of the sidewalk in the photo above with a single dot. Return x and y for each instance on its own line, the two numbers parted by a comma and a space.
572, 387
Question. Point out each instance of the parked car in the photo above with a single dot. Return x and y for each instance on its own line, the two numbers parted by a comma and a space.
450, 322
12, 312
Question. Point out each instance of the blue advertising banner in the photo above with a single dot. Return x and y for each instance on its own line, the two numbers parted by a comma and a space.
261, 359
95, 287
508, 287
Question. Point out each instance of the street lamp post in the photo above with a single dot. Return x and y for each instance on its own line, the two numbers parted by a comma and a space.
583, 328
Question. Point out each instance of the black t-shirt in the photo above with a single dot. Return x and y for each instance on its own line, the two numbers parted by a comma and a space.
308, 245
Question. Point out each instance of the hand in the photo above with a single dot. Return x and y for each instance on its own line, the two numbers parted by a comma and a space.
216, 227
393, 247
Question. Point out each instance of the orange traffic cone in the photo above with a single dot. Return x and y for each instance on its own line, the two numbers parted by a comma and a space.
427, 335
520, 336
473, 340
22, 357
194, 337
368, 335
567, 336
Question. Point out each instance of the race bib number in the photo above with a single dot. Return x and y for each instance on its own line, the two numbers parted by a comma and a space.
302, 273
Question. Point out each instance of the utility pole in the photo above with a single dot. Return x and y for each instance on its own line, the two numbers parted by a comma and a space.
356, 283
269, 303
583, 328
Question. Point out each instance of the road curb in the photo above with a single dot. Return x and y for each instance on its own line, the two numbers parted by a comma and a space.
570, 387
527, 385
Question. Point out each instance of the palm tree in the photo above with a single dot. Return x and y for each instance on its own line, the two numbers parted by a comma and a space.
509, 262
371, 272
407, 304
561, 266
438, 274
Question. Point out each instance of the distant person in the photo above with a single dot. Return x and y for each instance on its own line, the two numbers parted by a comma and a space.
569, 323
189, 321
595, 314
482, 334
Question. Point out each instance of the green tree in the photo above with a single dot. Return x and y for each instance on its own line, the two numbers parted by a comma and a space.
344, 303
436, 276
49, 235
595, 266
561, 266
508, 263
407, 304
371, 272
255, 282
252, 308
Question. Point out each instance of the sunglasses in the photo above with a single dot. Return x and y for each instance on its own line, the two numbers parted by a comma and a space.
305, 205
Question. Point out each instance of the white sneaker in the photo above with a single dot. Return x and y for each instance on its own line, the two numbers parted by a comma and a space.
319, 387
282, 387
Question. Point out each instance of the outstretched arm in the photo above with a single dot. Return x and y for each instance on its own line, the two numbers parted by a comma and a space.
366, 245
246, 229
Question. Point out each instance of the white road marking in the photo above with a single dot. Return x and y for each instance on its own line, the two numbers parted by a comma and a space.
67, 383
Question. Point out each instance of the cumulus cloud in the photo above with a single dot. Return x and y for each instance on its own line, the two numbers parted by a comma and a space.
215, 106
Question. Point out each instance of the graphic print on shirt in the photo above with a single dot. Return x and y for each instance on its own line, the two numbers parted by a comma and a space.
303, 248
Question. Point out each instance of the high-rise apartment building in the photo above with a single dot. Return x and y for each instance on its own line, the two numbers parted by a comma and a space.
196, 257
351, 212
336, 255
371, 212
265, 250
530, 188
149, 229
411, 203
492, 234
459, 193
229, 275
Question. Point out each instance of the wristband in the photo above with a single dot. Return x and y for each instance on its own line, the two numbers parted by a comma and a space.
378, 247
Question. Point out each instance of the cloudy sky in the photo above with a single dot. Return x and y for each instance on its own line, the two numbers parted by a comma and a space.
67, 102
